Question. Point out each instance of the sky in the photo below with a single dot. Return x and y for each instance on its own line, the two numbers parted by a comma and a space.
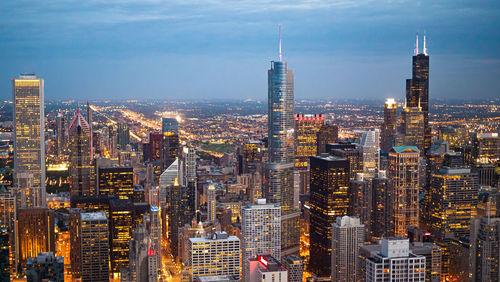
194, 49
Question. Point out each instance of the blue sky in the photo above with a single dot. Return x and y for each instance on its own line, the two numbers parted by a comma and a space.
221, 49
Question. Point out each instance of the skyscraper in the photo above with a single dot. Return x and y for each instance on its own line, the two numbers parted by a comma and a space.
484, 252
348, 235
123, 217
80, 140
252, 156
404, 166
380, 217
413, 127
279, 180
327, 134
123, 135
350, 151
306, 144
170, 150
117, 181
329, 200
90, 246
35, 233
417, 89
60, 134
211, 202
390, 125
260, 231
29, 130
371, 152
453, 200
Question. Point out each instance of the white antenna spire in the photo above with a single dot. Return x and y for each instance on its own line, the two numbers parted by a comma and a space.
279, 57
425, 47
416, 46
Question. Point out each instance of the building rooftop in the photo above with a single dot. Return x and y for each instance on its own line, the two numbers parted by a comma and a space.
93, 216
400, 149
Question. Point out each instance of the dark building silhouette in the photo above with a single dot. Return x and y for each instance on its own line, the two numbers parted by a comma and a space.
329, 200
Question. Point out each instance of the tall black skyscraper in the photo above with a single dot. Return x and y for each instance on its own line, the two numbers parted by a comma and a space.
417, 89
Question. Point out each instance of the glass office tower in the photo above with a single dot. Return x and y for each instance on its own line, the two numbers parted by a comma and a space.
29, 129
279, 182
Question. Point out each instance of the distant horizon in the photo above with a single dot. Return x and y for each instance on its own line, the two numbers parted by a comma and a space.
222, 49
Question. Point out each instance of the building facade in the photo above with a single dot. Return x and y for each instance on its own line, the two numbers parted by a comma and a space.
404, 169
29, 132
329, 200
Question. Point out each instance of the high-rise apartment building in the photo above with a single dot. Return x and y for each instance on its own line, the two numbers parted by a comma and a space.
217, 254
404, 169
29, 131
80, 148
295, 267
279, 179
484, 258
329, 200
89, 246
395, 262
260, 231
390, 125
417, 91
348, 235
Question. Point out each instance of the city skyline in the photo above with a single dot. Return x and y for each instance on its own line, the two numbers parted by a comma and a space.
124, 49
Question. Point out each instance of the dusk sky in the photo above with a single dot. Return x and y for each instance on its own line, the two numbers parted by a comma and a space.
222, 49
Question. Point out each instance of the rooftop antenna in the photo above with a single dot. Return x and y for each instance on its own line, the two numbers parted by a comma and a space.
279, 57
425, 47
416, 46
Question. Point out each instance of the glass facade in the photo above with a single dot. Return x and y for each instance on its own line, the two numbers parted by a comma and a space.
329, 200
29, 129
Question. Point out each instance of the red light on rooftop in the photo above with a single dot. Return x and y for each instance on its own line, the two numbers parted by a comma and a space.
263, 261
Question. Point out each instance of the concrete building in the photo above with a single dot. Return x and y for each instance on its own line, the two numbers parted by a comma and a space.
348, 235
395, 262
295, 267
217, 254
260, 230
265, 268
